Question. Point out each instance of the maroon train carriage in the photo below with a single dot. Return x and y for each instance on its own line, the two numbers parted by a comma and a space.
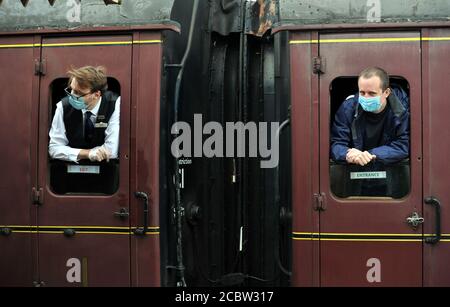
98, 224
342, 237
89, 226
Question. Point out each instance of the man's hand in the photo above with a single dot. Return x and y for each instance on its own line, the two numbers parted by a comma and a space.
99, 154
352, 153
356, 156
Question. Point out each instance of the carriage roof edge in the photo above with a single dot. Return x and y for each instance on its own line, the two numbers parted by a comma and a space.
74, 14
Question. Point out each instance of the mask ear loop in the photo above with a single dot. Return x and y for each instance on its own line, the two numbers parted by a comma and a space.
102, 90
98, 90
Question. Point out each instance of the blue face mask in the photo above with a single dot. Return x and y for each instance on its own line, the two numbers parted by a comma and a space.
371, 104
77, 104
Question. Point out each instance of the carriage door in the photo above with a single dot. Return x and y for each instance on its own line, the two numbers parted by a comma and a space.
84, 233
436, 69
365, 238
18, 160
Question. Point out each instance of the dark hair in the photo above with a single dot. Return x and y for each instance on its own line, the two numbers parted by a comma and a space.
90, 77
379, 72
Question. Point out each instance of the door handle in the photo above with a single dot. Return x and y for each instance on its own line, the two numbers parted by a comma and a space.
141, 231
123, 213
433, 201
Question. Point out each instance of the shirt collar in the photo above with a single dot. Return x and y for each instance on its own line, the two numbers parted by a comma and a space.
94, 111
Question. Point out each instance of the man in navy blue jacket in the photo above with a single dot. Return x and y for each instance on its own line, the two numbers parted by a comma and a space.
372, 125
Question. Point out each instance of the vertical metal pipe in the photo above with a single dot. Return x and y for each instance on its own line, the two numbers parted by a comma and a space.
285, 124
179, 206
242, 116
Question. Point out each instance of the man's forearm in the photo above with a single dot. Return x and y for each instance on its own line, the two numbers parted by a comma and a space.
62, 152
84, 154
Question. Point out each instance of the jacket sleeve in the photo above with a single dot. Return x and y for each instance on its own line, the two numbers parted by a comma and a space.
341, 136
397, 149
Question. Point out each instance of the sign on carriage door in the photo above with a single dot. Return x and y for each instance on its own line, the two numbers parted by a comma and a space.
370, 238
84, 229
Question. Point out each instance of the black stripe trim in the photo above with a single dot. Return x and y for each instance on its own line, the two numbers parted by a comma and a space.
76, 229
87, 45
83, 229
363, 237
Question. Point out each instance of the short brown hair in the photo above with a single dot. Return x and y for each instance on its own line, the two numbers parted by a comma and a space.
90, 77
379, 72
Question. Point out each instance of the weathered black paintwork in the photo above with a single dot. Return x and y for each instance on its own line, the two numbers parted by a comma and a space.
235, 80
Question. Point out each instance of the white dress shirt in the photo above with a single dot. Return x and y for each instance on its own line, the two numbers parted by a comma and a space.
58, 147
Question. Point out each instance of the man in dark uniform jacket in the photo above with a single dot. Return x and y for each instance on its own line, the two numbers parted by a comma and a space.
86, 123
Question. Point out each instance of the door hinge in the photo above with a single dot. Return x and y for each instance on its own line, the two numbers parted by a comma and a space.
318, 65
38, 196
39, 67
319, 202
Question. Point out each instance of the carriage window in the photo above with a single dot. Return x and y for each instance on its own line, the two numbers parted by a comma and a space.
377, 178
84, 177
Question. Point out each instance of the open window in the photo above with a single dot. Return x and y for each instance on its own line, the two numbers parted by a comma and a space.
374, 179
85, 177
